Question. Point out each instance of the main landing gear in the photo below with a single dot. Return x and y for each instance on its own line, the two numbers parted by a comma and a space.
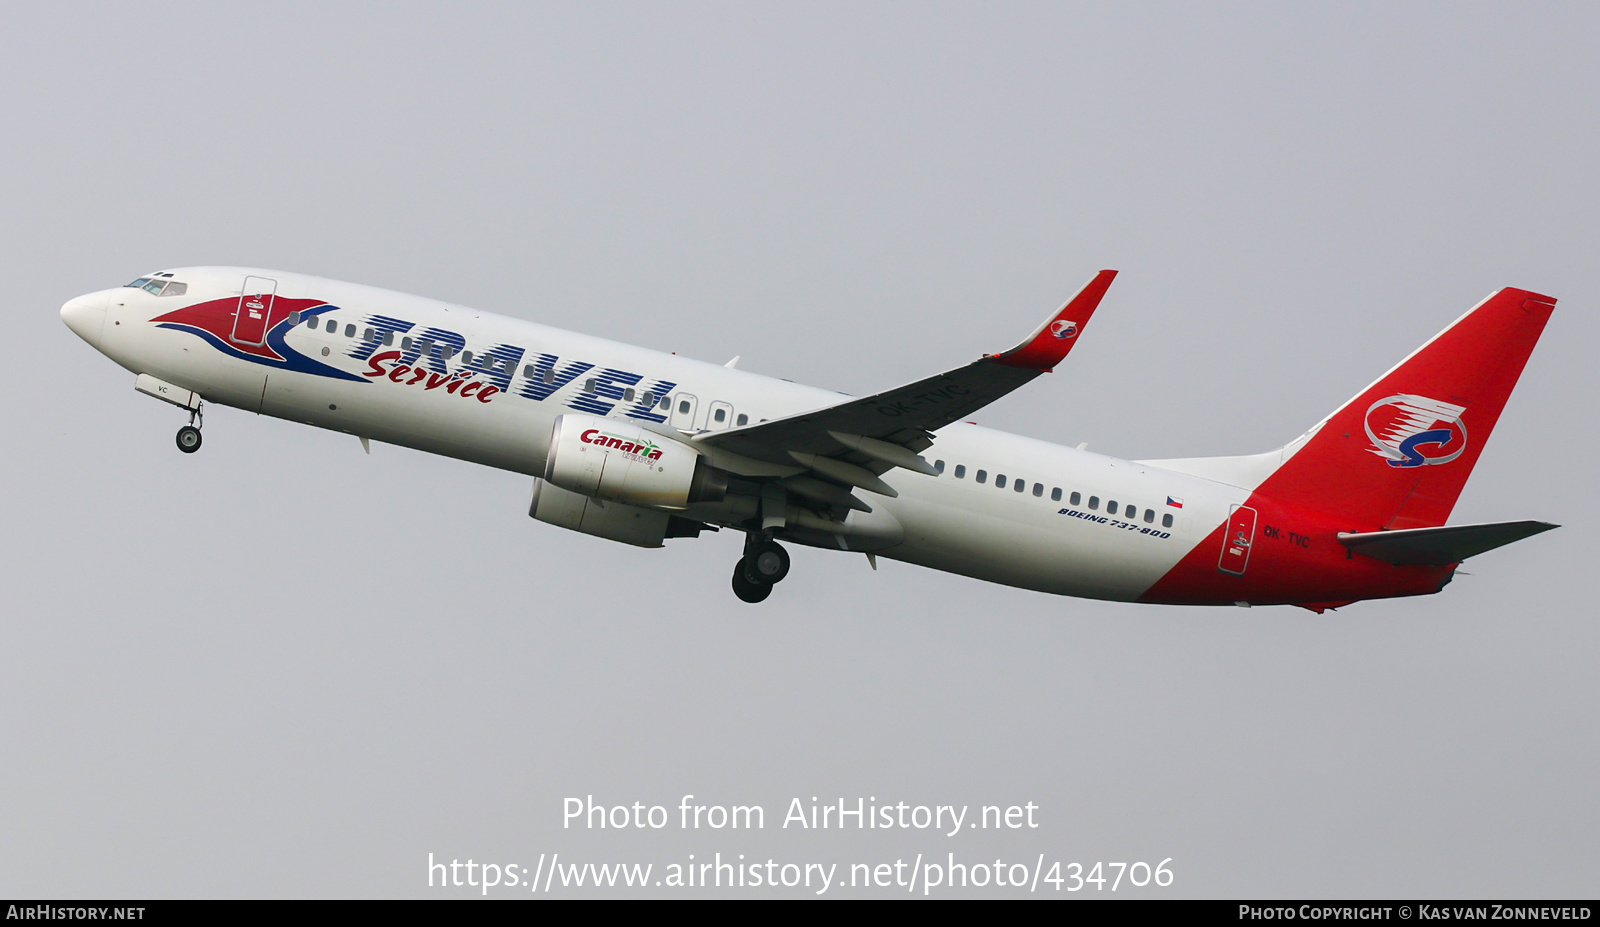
763, 566
189, 435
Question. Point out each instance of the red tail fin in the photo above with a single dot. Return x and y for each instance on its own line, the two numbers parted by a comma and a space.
1397, 455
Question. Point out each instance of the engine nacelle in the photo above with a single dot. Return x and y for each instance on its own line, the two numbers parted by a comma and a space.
620, 462
612, 521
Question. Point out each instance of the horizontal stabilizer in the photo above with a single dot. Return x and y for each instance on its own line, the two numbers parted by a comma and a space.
1439, 546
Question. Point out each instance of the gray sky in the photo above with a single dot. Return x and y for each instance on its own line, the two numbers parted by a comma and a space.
283, 668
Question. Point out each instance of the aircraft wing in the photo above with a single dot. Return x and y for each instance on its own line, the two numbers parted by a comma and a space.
857, 439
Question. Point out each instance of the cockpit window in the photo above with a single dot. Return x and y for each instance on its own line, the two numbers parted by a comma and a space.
172, 288
155, 282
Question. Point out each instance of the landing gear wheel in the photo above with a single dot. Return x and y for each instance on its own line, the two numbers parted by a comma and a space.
188, 439
766, 563
745, 589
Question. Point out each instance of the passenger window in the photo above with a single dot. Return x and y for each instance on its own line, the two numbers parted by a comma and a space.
683, 407
405, 343
1094, 503
666, 402
294, 318
1111, 508
627, 395
549, 375
528, 372
647, 400
961, 471
721, 415
1166, 520
1149, 516
742, 420
1055, 494
1000, 481
1038, 489
982, 477
388, 338
938, 465
369, 335
333, 326
466, 357
1020, 485
311, 322
350, 331
1076, 498
588, 385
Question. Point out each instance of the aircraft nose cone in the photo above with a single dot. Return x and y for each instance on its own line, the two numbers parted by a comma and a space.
86, 315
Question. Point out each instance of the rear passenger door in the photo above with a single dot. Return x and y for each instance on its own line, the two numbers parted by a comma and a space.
1236, 541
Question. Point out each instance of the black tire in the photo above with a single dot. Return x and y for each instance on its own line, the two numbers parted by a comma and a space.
767, 564
745, 589
188, 439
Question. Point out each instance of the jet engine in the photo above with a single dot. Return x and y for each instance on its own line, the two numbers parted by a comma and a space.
619, 462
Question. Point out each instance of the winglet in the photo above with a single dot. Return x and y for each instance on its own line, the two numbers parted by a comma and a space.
1049, 345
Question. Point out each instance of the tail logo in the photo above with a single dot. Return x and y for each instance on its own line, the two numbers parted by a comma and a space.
1413, 431
1063, 329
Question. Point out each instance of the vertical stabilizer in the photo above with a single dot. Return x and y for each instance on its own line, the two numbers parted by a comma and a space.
1398, 454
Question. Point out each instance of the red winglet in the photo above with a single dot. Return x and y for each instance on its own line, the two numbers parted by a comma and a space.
1049, 345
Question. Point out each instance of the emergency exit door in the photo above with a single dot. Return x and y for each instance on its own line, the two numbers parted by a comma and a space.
683, 409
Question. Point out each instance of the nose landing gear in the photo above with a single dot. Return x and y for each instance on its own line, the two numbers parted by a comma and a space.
189, 435
763, 566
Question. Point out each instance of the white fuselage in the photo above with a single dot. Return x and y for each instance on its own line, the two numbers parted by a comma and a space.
529, 374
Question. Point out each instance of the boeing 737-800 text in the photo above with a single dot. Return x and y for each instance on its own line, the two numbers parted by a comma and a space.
638, 446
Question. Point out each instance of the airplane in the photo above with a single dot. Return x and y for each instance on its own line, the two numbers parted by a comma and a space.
640, 446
